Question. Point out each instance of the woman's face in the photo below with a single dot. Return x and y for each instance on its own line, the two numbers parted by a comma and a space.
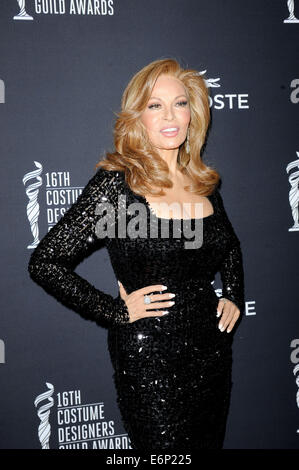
167, 114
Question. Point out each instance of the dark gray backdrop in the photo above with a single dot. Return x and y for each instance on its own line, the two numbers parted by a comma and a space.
62, 78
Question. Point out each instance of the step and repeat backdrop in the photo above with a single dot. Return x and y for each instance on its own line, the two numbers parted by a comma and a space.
64, 65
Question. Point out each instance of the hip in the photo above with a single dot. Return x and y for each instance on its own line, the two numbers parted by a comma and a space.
186, 337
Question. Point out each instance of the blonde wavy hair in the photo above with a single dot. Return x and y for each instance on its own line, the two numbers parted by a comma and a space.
134, 154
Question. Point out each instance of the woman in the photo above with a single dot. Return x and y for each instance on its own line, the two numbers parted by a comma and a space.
172, 362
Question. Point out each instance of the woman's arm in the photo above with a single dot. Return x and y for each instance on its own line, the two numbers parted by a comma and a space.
53, 261
231, 269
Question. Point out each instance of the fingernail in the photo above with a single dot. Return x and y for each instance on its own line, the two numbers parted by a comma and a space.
172, 302
220, 326
165, 312
118, 282
218, 313
171, 296
164, 287
227, 331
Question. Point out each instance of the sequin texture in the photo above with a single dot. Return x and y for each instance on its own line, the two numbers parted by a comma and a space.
172, 373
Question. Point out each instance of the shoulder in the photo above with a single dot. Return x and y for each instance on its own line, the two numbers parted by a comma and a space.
103, 185
216, 196
218, 200
104, 180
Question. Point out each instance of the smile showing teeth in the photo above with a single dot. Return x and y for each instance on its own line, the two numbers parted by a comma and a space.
171, 129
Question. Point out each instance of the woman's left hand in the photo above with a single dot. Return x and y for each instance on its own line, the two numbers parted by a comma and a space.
230, 314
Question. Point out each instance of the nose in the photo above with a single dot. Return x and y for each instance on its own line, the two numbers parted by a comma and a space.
168, 113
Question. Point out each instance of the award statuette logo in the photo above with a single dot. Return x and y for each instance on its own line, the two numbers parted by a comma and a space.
294, 193
22, 15
33, 206
295, 360
2, 91
2, 352
292, 18
44, 428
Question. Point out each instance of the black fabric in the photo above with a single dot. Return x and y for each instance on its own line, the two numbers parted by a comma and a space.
172, 373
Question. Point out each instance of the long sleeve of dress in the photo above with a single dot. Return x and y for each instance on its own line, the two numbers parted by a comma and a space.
53, 261
231, 270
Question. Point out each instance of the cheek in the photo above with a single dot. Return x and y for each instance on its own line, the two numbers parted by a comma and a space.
186, 116
149, 121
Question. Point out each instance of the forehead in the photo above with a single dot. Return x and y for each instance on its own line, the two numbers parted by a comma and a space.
166, 84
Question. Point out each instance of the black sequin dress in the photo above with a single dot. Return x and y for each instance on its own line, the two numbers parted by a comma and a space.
172, 373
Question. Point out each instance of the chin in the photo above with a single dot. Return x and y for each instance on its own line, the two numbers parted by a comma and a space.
170, 145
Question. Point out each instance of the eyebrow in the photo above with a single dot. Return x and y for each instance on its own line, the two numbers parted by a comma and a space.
154, 97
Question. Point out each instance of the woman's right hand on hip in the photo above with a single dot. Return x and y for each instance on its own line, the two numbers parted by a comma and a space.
135, 301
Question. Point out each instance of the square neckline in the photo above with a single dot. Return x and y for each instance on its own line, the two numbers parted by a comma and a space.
179, 219
147, 204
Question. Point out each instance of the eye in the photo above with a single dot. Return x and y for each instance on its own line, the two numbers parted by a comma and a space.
182, 103
152, 106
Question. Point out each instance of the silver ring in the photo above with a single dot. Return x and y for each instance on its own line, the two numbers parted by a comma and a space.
224, 299
147, 299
